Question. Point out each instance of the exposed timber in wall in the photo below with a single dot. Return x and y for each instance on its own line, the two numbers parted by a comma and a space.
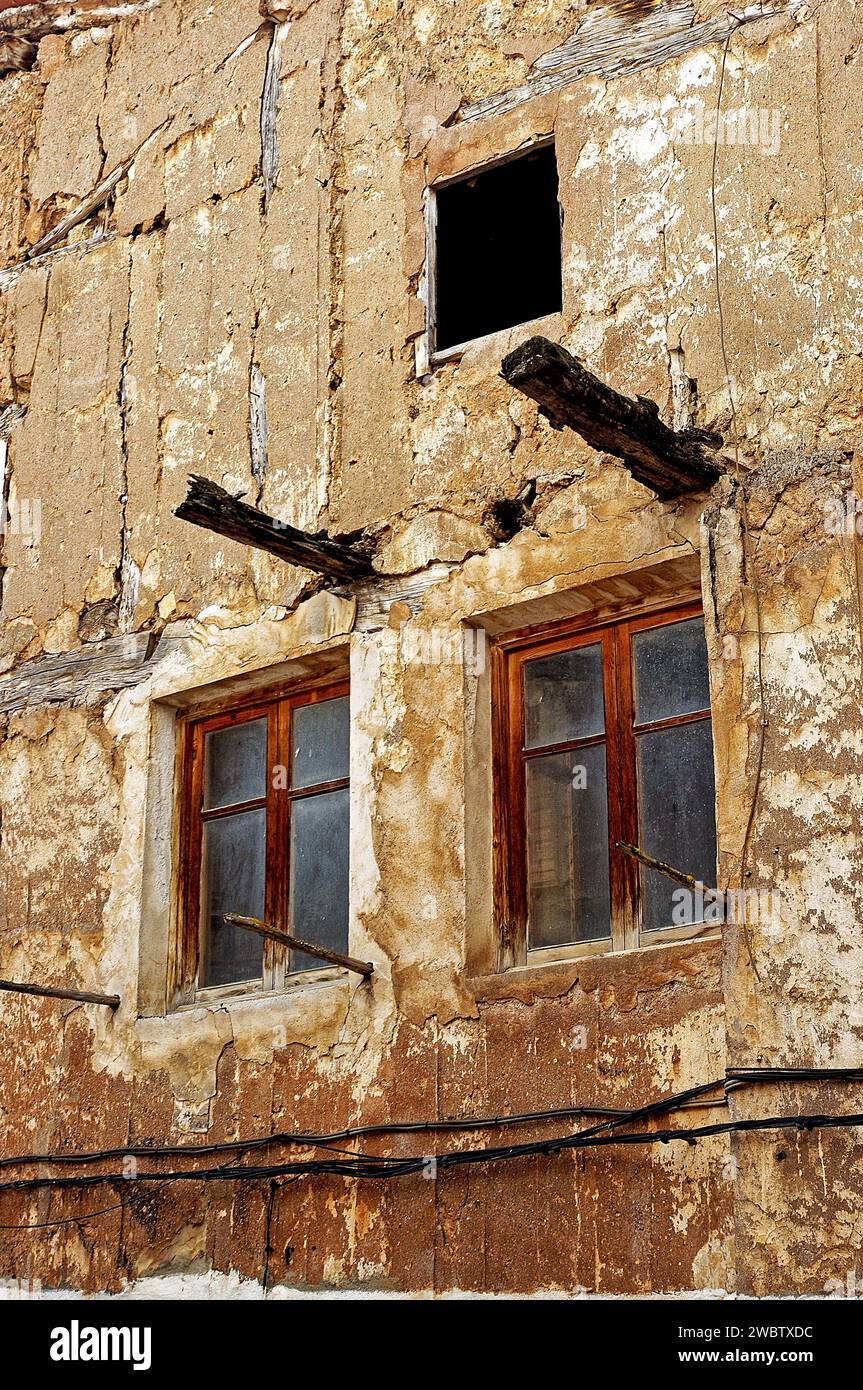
377, 598
615, 40
13, 273
210, 506
11, 416
66, 16
270, 111
84, 209
670, 462
80, 677
47, 247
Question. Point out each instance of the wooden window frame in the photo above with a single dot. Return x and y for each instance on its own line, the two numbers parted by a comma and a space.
508, 657
277, 704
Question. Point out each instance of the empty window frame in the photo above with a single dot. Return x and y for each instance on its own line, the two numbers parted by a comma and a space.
494, 249
603, 735
264, 833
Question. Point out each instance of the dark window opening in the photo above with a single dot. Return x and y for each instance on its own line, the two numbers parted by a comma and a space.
497, 249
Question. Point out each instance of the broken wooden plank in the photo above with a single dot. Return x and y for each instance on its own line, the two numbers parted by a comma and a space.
617, 40
82, 210
81, 996
360, 967
210, 506
83, 676
34, 21
669, 461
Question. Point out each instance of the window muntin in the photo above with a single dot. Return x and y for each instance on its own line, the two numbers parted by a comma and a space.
496, 252
265, 834
604, 736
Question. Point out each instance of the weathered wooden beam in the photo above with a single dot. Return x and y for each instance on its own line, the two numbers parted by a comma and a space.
617, 40
669, 461
270, 110
82, 210
81, 996
210, 506
34, 21
83, 676
12, 274
360, 967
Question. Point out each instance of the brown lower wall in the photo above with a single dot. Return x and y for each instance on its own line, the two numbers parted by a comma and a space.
631, 1220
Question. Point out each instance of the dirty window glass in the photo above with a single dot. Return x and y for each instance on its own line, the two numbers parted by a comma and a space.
567, 848
676, 818
320, 742
609, 747
233, 876
319, 874
271, 843
563, 697
670, 667
235, 764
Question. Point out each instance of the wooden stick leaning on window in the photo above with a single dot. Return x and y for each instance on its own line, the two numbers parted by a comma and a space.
362, 967
668, 871
112, 1001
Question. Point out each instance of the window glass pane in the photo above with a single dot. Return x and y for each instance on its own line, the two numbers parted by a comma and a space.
232, 880
321, 742
319, 874
563, 697
676, 816
235, 764
567, 848
670, 665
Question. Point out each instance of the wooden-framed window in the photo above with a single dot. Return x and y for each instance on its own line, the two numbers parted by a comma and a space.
602, 735
264, 833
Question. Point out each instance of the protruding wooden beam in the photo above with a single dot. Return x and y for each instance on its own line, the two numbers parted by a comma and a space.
210, 506
360, 967
668, 461
81, 996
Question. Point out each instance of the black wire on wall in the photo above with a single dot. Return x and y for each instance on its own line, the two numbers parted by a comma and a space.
344, 1163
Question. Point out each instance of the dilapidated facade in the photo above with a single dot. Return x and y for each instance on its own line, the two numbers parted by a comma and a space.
216, 259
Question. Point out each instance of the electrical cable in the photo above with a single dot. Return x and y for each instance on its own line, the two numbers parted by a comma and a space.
62, 1220
734, 1076
373, 1167
310, 1140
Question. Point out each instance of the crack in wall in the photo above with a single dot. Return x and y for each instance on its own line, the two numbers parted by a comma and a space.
128, 573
